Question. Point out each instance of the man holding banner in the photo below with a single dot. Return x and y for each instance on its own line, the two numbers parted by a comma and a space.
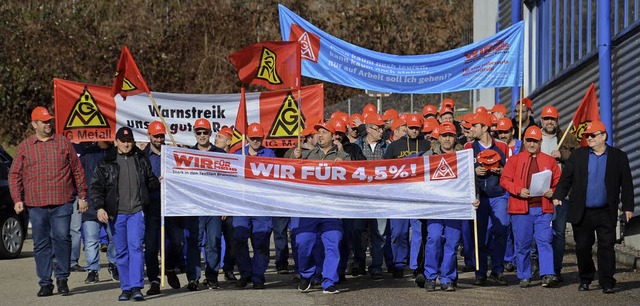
493, 200
209, 227
328, 229
257, 227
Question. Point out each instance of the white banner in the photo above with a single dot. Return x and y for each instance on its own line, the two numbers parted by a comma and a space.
198, 183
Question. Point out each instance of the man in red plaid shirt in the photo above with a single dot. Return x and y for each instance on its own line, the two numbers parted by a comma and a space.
45, 176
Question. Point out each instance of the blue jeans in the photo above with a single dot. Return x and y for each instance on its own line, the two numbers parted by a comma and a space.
74, 229
559, 225
494, 210
535, 225
50, 232
211, 235
91, 231
128, 235
280, 241
194, 270
378, 231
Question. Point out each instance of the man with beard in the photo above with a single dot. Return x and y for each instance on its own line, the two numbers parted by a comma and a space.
527, 117
44, 178
408, 145
505, 132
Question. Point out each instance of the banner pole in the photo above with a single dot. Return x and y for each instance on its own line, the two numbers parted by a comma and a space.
566, 131
475, 237
520, 115
162, 251
155, 105
244, 128
299, 117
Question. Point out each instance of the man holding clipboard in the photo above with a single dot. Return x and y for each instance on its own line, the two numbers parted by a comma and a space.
531, 213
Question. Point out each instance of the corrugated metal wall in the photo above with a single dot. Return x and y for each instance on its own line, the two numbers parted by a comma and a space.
626, 102
567, 92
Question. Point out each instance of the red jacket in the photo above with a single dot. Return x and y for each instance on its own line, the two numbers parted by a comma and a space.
514, 177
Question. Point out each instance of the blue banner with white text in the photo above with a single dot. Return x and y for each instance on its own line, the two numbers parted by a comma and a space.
496, 61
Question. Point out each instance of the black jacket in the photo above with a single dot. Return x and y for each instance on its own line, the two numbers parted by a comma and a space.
104, 183
618, 181
404, 147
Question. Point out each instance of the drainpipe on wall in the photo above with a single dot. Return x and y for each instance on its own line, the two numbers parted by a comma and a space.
604, 61
516, 16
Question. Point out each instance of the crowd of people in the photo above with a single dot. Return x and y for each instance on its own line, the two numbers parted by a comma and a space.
74, 191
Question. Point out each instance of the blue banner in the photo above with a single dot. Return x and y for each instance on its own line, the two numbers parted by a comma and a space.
496, 61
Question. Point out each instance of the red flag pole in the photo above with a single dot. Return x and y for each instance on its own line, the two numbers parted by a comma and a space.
299, 117
244, 122
565, 134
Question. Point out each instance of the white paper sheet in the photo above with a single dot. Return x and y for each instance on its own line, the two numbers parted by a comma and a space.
540, 182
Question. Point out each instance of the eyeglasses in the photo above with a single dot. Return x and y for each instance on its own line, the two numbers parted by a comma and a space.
375, 128
199, 133
594, 135
504, 132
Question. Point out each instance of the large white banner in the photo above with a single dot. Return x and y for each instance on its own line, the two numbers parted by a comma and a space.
198, 183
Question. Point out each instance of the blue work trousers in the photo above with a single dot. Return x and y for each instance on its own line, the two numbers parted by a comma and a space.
399, 232
527, 227
128, 235
492, 238
329, 231
443, 237
259, 229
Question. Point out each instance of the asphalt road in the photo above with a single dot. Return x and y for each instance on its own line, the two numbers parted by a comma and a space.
18, 286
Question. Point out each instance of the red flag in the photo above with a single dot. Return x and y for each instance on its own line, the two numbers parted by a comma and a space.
128, 80
240, 127
275, 65
587, 112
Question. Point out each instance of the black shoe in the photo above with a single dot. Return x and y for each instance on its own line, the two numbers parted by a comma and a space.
397, 273
448, 287
304, 285
583, 287
295, 278
63, 288
341, 279
113, 270
76, 268
229, 276
258, 286
509, 267
377, 275
525, 283
535, 269
211, 284
193, 285
420, 280
549, 281
331, 290
608, 290
480, 281
124, 296
46, 290
430, 285
242, 282
154, 288
355, 271
499, 279
92, 277
173, 280
468, 269
283, 270
559, 277
136, 295
316, 284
